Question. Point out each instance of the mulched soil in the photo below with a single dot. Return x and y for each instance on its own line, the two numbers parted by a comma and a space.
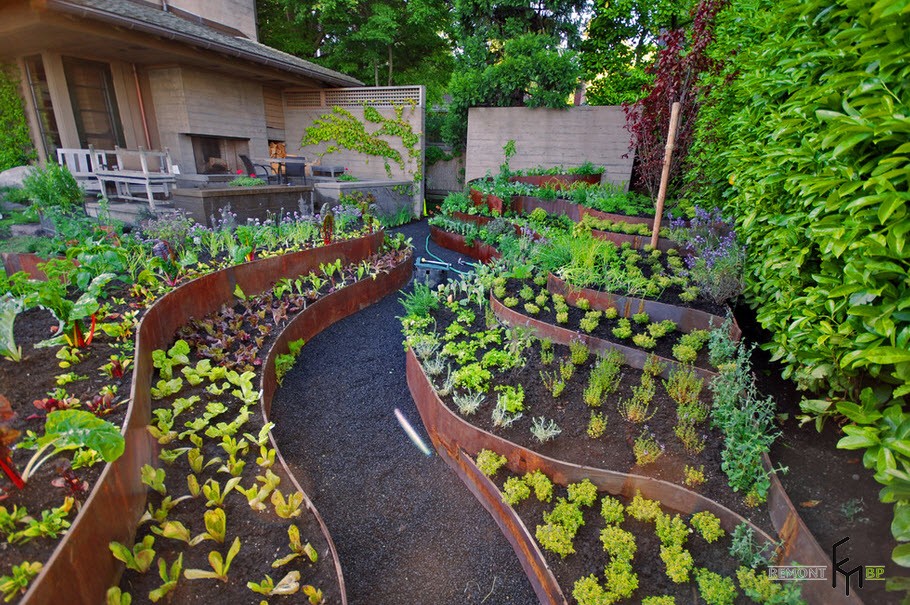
590, 558
663, 348
406, 528
835, 495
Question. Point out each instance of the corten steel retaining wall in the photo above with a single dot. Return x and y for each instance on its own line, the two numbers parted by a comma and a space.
686, 319
454, 437
13, 263
549, 137
81, 566
636, 241
456, 243
557, 181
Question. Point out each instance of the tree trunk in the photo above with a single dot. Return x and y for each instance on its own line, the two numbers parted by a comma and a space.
375, 73
390, 65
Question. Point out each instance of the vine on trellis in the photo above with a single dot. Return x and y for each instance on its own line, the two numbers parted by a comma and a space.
343, 130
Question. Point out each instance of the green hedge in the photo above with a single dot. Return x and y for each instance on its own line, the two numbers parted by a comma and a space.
806, 142
15, 144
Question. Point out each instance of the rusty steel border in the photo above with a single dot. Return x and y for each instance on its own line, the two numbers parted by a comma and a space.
686, 319
557, 181
117, 500
636, 241
453, 241
452, 436
14, 262
635, 358
492, 202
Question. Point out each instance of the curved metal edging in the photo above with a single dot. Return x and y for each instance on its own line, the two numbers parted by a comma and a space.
557, 181
636, 241
563, 336
456, 243
453, 436
117, 500
686, 319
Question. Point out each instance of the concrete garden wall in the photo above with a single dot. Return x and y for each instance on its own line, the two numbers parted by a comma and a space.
549, 137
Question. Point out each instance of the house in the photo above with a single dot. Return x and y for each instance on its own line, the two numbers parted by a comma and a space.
188, 75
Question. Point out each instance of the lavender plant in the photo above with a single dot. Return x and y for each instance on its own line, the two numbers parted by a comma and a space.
715, 258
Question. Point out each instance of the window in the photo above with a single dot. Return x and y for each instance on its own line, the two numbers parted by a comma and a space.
41, 100
94, 103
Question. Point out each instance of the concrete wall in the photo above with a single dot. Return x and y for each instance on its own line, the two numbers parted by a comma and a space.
446, 176
361, 165
239, 14
549, 137
190, 101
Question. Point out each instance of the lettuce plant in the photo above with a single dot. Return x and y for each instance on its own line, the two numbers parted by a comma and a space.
298, 549
289, 507
168, 577
289, 584
17, 583
220, 566
139, 558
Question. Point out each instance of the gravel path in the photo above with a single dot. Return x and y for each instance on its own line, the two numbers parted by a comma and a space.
408, 532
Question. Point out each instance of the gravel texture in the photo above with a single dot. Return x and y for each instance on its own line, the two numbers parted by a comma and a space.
407, 530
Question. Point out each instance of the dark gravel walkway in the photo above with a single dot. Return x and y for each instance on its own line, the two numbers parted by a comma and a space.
408, 532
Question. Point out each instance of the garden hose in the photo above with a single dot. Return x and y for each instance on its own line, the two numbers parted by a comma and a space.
427, 248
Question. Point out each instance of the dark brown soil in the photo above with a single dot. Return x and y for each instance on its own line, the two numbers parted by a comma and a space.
613, 450
590, 558
34, 378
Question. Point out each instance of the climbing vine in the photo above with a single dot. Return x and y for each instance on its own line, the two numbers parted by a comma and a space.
343, 130
15, 144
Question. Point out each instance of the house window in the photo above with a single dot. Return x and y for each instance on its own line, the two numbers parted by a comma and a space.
41, 100
94, 103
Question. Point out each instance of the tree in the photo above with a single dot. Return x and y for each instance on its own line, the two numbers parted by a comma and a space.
381, 42
512, 53
621, 44
681, 61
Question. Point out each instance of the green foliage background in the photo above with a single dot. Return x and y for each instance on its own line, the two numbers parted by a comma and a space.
805, 142
15, 145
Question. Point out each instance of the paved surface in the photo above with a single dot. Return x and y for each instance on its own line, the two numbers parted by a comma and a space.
407, 530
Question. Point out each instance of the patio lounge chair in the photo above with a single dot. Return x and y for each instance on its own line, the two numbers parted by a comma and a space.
259, 170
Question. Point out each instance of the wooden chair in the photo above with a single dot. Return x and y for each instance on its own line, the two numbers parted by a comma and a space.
83, 163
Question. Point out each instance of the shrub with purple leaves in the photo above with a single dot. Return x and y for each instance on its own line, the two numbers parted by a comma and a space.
713, 255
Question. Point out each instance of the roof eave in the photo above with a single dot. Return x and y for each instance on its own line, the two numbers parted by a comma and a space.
134, 24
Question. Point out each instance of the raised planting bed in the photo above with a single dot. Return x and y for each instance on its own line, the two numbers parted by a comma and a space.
493, 203
599, 545
456, 439
524, 204
686, 318
557, 181
455, 242
117, 500
261, 481
260, 202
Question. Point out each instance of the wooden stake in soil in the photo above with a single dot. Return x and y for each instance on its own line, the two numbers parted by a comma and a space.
665, 175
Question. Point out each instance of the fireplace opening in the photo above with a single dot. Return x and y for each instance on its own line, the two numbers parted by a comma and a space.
218, 155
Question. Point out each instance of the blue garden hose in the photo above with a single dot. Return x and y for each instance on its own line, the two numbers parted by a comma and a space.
427, 248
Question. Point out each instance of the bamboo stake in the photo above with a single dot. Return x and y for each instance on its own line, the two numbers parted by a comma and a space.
665, 176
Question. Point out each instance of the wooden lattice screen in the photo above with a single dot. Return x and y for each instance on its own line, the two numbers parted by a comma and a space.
383, 96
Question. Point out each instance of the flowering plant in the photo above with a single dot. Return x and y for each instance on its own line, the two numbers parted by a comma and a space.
242, 180
714, 256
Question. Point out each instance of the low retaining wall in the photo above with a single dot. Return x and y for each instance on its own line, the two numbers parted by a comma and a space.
118, 498
686, 319
246, 202
390, 196
456, 243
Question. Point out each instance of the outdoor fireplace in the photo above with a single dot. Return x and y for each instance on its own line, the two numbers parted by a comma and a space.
218, 155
